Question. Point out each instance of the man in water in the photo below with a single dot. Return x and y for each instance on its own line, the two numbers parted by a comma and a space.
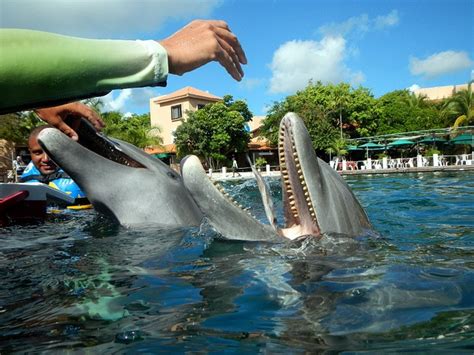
43, 169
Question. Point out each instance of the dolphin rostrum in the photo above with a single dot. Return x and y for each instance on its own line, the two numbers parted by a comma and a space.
121, 180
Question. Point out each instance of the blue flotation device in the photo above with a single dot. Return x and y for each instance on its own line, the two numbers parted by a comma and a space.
58, 180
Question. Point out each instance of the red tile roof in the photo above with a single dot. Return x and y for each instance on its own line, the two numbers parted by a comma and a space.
185, 92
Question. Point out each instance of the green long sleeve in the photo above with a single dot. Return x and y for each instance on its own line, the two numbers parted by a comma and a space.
43, 69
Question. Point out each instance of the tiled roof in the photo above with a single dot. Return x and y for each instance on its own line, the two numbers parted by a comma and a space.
187, 91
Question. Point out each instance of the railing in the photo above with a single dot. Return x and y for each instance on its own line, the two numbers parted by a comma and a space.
368, 164
401, 163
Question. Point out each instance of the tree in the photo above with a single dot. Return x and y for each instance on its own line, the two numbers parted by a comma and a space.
461, 107
330, 112
215, 131
134, 129
400, 111
16, 127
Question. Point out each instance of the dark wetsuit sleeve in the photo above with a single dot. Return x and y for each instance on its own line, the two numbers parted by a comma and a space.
43, 69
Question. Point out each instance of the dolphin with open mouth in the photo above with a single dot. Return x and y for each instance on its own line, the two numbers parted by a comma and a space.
121, 180
137, 189
316, 199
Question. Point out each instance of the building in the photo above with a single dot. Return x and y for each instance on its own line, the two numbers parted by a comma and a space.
439, 92
169, 111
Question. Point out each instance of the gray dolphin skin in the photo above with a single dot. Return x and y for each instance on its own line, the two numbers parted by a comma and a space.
121, 180
316, 199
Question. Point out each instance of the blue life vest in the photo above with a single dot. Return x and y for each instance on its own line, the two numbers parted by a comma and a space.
58, 180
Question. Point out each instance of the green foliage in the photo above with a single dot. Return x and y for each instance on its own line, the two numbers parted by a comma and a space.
215, 131
429, 152
135, 129
402, 111
324, 108
16, 127
260, 161
460, 107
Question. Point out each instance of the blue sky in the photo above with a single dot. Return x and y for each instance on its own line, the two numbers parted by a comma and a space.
383, 45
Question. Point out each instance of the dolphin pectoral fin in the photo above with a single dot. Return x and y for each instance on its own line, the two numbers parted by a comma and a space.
227, 218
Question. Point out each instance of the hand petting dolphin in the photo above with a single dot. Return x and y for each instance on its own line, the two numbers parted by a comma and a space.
316, 198
121, 180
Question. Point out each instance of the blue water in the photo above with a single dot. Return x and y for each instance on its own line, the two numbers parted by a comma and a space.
79, 282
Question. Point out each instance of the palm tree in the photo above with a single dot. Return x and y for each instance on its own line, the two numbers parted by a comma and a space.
414, 100
461, 106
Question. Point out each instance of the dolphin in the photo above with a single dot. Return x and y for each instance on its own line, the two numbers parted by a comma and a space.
121, 180
316, 198
137, 189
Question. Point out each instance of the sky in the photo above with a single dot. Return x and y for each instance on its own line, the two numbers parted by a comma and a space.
383, 45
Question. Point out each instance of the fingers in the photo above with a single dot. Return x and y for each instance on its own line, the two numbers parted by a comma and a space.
200, 42
68, 131
229, 60
231, 39
55, 116
79, 109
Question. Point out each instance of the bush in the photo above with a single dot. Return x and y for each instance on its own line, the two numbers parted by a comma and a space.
431, 151
259, 162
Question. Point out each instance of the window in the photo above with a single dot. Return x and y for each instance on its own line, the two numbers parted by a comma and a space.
200, 106
176, 112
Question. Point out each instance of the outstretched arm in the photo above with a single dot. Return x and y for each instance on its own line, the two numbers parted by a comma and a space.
40, 69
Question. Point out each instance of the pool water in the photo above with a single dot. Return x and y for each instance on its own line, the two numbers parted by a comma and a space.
80, 282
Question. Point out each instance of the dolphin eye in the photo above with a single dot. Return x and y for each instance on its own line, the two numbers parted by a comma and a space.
171, 175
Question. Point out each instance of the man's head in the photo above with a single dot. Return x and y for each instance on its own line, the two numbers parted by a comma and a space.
38, 156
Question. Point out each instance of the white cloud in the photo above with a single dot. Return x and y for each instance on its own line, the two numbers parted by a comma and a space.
360, 25
414, 87
389, 20
297, 62
100, 18
440, 63
115, 100
129, 99
251, 83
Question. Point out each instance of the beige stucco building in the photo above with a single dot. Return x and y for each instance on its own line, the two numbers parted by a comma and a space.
439, 92
169, 111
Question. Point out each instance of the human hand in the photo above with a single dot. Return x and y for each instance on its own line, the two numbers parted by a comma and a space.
56, 115
202, 41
